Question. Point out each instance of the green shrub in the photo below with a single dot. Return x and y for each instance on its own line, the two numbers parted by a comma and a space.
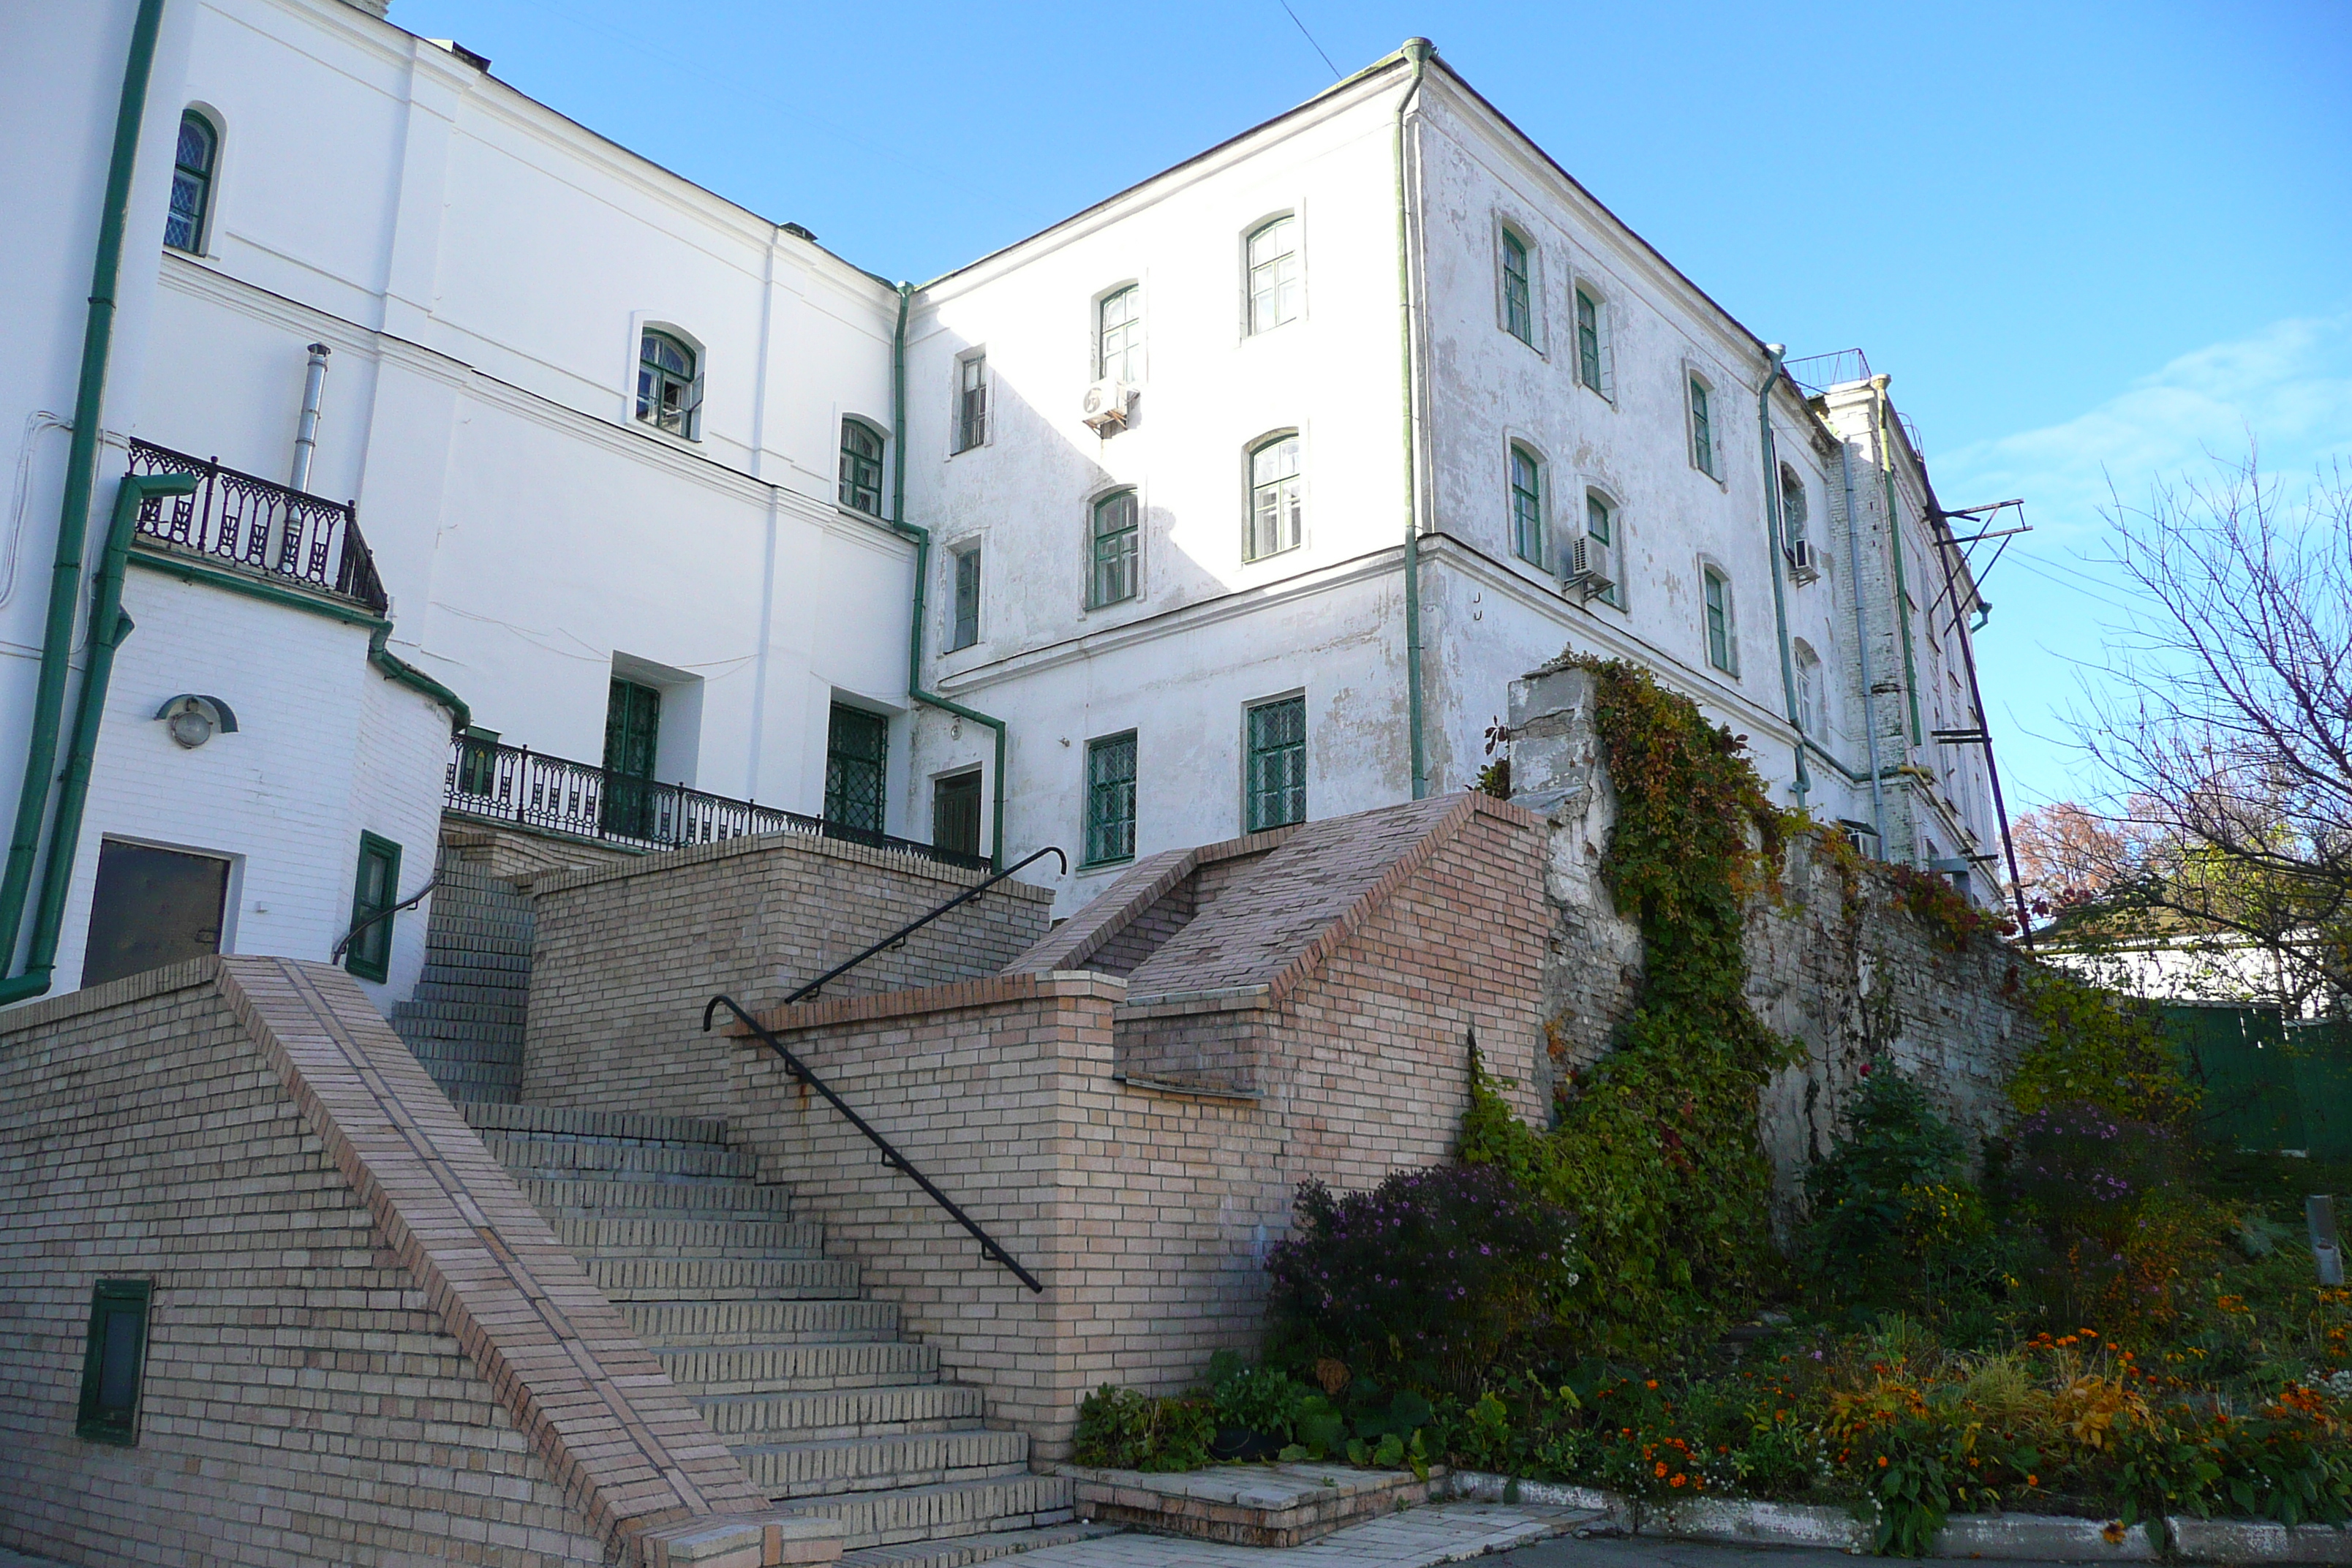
1894, 1219
1120, 1429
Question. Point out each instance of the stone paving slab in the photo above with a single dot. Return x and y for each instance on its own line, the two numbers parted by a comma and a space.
1417, 1537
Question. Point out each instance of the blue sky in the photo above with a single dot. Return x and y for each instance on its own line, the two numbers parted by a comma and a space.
2090, 242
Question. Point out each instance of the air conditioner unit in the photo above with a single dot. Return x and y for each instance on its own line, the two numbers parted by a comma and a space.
1590, 567
1802, 564
1105, 405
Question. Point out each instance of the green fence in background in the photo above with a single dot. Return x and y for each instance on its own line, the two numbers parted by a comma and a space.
2269, 1084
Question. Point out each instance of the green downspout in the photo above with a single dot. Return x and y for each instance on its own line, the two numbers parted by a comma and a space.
922, 538
1416, 52
1777, 351
82, 475
1895, 544
400, 672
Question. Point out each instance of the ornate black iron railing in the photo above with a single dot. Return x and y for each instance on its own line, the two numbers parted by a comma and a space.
514, 784
261, 527
990, 1248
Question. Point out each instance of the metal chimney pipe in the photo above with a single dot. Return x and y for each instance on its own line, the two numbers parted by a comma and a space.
306, 435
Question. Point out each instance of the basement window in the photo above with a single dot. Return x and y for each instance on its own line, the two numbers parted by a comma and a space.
114, 1358
1110, 799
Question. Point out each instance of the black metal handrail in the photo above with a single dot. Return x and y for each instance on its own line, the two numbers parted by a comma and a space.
409, 902
988, 1247
259, 526
903, 932
501, 782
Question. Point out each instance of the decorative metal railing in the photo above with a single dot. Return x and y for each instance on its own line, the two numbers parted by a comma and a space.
261, 527
501, 782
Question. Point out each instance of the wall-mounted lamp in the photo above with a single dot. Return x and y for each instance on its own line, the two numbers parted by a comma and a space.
192, 719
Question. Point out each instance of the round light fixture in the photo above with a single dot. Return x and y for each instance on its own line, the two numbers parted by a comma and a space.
191, 720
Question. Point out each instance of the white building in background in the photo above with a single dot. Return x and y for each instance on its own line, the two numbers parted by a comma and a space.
639, 487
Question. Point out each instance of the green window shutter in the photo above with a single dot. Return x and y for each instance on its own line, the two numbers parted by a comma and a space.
1110, 799
113, 1362
376, 888
857, 769
1276, 788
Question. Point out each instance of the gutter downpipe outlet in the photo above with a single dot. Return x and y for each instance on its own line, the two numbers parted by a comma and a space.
1861, 641
82, 475
1417, 53
306, 434
1777, 353
922, 542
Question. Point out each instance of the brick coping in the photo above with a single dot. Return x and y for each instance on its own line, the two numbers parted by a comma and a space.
990, 991
903, 860
1144, 884
183, 976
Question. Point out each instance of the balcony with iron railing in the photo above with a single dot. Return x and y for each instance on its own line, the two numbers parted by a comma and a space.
257, 529
497, 782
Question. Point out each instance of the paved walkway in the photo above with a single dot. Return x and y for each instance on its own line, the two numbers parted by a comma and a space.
1649, 1552
1417, 1537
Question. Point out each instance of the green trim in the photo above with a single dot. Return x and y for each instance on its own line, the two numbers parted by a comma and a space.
236, 582
97, 1420
373, 846
1417, 52
400, 672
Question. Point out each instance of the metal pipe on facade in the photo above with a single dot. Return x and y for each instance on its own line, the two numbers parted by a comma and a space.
1946, 549
1417, 53
1894, 547
73, 511
1775, 353
306, 434
1862, 640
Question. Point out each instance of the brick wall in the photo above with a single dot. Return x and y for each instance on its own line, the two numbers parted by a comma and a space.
625, 956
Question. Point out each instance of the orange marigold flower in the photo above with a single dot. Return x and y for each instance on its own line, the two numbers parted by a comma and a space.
2032, 1480
1662, 1467
1651, 1384
1679, 1480
1882, 1461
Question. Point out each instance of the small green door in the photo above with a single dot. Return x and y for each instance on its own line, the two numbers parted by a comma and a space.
632, 728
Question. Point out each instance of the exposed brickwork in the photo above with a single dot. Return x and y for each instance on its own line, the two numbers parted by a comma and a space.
626, 956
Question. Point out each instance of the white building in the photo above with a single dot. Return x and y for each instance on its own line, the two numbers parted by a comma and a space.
641, 486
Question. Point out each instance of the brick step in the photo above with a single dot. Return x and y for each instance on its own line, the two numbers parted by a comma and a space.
683, 1325
947, 1509
415, 1028
453, 966
458, 1053
805, 1368
602, 1126
721, 1278
504, 993
576, 1196
472, 1010
962, 1551
467, 951
842, 1413
506, 1078
875, 1464
691, 1238
521, 1152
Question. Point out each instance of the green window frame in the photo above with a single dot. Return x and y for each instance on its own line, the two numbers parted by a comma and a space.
966, 629
1276, 515
1275, 790
1117, 548
632, 742
1119, 335
1518, 295
1276, 287
1722, 647
1794, 511
668, 372
1601, 525
1588, 339
1809, 692
1702, 429
114, 1363
857, 769
477, 762
376, 888
193, 163
1110, 799
1526, 505
861, 467
971, 401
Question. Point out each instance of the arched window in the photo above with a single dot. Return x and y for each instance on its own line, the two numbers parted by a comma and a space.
1274, 515
1793, 509
1117, 548
667, 379
1526, 505
861, 466
1275, 285
192, 166
1809, 715
1722, 632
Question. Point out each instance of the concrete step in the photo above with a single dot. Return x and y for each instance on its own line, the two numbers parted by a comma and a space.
878, 1463
690, 1238
949, 1508
842, 1413
590, 1196
576, 1159
683, 1325
721, 1278
962, 1551
802, 1368
602, 1126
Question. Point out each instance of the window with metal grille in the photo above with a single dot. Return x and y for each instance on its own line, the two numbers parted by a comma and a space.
971, 401
1118, 543
667, 376
966, 630
857, 762
955, 814
1722, 648
1588, 339
374, 889
1518, 296
1276, 287
113, 1362
1276, 786
1527, 506
1701, 427
861, 466
1110, 799
1274, 520
1118, 335
192, 184
632, 735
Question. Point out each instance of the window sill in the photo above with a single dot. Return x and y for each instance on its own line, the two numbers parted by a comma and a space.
667, 438
1086, 866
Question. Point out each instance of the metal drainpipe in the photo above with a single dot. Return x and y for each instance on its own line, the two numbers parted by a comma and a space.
1417, 53
922, 541
1895, 544
306, 434
1861, 641
82, 476
1777, 351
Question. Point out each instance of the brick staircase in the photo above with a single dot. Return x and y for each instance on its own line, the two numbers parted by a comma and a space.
464, 1021
805, 1380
